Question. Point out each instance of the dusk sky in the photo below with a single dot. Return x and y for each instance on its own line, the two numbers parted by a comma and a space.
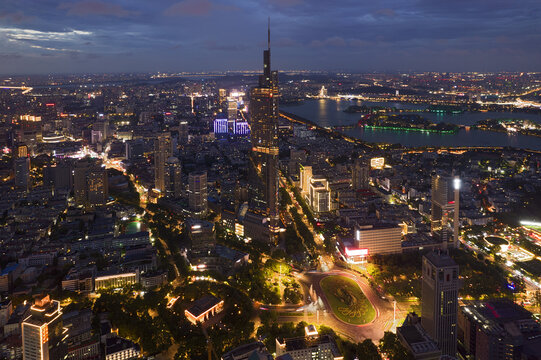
45, 36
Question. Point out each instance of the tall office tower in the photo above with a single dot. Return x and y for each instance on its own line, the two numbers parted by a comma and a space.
43, 332
264, 117
22, 151
22, 173
173, 179
231, 115
359, 175
197, 192
305, 178
58, 175
440, 300
162, 151
30, 131
445, 208
97, 186
90, 184
222, 97
135, 149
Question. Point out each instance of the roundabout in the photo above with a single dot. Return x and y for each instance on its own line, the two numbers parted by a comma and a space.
347, 300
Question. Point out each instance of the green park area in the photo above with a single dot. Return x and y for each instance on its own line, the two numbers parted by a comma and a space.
347, 300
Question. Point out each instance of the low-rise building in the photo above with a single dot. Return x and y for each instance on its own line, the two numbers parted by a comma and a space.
414, 338
117, 348
312, 346
203, 309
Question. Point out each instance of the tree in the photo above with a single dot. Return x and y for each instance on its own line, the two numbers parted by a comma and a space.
391, 346
367, 350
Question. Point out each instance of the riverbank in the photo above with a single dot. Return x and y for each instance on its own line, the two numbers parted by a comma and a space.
328, 114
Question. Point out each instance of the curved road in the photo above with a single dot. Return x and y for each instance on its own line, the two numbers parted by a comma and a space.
373, 330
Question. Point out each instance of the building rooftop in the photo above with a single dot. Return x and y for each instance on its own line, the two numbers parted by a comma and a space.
255, 350
300, 343
440, 259
203, 305
116, 344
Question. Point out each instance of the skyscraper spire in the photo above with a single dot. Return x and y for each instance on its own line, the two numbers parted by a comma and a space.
268, 34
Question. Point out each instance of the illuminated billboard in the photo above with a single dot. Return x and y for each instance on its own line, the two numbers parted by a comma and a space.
377, 163
356, 252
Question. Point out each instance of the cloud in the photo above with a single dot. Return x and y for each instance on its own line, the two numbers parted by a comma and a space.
10, 56
48, 48
36, 35
358, 43
335, 41
284, 42
190, 8
213, 45
86, 8
285, 3
15, 17
386, 12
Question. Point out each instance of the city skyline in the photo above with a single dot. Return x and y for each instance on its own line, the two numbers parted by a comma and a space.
96, 36
308, 215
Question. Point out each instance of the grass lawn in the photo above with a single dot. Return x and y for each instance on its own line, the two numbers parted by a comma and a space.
347, 300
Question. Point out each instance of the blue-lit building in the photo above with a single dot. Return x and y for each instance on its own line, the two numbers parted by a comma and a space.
223, 130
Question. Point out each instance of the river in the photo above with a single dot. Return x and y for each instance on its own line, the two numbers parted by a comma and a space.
326, 112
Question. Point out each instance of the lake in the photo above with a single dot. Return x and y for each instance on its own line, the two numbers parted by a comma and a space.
327, 112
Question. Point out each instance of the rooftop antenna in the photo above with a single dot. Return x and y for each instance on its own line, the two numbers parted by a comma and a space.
268, 34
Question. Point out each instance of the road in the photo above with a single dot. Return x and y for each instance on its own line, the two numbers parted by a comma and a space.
356, 333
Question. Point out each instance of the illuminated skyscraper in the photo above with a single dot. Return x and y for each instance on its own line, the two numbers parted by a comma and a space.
173, 180
231, 114
359, 175
197, 192
439, 309
162, 151
22, 173
264, 118
445, 208
42, 332
90, 183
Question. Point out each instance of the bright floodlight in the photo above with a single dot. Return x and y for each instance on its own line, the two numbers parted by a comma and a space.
456, 183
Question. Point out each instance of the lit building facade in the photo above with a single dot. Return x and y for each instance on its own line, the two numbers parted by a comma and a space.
43, 334
360, 175
440, 300
22, 173
203, 309
379, 238
264, 115
197, 192
162, 151
115, 280
90, 183
445, 208
173, 177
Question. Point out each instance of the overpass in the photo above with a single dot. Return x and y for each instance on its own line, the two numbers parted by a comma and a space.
25, 89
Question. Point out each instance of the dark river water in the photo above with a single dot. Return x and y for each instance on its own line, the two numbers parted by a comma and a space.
326, 112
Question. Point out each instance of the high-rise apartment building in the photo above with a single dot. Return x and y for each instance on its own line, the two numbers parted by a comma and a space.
445, 208
231, 115
173, 179
197, 191
440, 300
90, 184
42, 332
162, 151
498, 330
359, 175
22, 151
264, 117
58, 175
305, 178
22, 173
